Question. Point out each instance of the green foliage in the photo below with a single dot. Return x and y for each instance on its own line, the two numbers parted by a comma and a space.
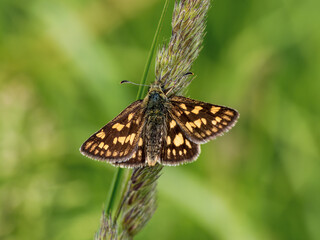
60, 68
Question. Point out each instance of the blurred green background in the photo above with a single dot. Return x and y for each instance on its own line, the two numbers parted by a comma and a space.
60, 67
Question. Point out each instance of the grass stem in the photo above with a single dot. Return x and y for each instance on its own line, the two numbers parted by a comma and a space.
122, 176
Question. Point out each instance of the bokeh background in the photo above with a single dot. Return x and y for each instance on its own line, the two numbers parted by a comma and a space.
60, 67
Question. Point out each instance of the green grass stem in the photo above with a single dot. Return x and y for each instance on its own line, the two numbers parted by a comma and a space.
122, 175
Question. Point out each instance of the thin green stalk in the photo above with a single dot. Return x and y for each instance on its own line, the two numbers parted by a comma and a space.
115, 188
123, 175
151, 52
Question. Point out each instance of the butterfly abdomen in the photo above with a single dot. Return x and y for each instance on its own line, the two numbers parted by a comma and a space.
154, 130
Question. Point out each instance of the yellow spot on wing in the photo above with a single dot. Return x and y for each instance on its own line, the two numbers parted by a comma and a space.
187, 112
177, 113
106, 146
214, 122
183, 106
88, 144
134, 155
115, 140
188, 143
128, 125
132, 138
140, 142
226, 118
196, 109
121, 140
118, 126
101, 145
108, 153
180, 152
168, 140
115, 153
185, 151
192, 125
101, 135
93, 147
214, 129
197, 135
198, 123
130, 116
174, 152
208, 132
218, 119
128, 138
204, 121
172, 124
188, 125
228, 112
96, 151
178, 140
215, 109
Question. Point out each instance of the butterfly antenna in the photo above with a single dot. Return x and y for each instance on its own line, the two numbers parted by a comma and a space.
126, 81
188, 73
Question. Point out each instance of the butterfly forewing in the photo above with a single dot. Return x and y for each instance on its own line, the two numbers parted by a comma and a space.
177, 148
118, 140
137, 159
201, 121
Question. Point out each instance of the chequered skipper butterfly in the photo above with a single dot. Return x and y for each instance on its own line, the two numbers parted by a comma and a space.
159, 129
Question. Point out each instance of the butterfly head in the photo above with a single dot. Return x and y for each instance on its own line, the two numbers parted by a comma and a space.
155, 96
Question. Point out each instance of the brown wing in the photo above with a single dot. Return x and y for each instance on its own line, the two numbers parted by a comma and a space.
117, 141
201, 121
177, 148
137, 159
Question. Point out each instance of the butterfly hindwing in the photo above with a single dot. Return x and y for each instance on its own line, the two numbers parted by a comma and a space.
202, 121
118, 140
177, 148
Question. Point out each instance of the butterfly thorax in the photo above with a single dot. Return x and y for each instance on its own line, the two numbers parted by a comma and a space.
155, 122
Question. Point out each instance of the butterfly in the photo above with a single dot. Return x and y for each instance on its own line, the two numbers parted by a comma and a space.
159, 129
